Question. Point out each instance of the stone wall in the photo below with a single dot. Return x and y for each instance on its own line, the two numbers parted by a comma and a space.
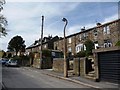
47, 63
79, 66
58, 64
76, 66
82, 67
36, 63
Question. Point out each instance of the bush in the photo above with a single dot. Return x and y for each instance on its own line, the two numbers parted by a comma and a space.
118, 43
89, 46
22, 60
9, 55
24, 57
80, 54
16, 58
4, 55
46, 53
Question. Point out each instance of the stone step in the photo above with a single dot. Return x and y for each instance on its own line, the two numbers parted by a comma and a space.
92, 72
90, 78
70, 72
91, 75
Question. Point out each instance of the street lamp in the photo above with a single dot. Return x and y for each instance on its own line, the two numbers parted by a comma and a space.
65, 49
41, 42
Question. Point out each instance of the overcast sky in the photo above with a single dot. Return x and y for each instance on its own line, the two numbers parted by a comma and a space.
24, 18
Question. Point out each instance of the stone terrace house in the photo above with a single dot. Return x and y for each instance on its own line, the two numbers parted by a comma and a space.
103, 35
48, 43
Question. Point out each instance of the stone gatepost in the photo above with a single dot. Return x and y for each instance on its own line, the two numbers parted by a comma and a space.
96, 67
79, 66
76, 66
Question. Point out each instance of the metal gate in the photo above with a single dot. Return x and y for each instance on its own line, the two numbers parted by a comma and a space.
109, 66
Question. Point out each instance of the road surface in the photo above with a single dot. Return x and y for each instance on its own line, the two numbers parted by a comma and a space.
18, 77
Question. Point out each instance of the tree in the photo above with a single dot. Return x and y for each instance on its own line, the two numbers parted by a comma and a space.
16, 44
4, 55
9, 55
89, 46
3, 21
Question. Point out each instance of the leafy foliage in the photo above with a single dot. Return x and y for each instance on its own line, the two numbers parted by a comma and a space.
9, 55
1, 3
4, 55
16, 44
89, 46
3, 21
118, 43
22, 60
80, 54
46, 53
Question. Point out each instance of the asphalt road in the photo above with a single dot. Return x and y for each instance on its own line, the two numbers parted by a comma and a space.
18, 77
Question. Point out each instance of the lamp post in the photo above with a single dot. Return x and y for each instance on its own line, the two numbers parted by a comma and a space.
65, 49
41, 42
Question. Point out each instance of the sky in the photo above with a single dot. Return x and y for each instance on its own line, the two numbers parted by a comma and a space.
24, 17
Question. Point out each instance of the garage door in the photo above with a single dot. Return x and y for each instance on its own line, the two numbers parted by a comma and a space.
109, 66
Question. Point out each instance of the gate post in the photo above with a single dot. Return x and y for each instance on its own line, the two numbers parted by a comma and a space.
96, 66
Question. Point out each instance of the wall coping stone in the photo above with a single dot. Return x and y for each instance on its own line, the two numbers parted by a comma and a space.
106, 49
58, 59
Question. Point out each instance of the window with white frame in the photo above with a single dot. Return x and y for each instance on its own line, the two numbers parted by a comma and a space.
84, 48
106, 30
96, 45
69, 49
69, 40
107, 43
80, 37
85, 35
79, 48
45, 46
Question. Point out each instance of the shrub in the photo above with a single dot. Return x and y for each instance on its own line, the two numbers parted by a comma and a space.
22, 60
16, 58
89, 46
9, 55
80, 54
46, 53
118, 43
24, 57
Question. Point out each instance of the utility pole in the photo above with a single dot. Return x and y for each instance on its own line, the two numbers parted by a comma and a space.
41, 42
65, 50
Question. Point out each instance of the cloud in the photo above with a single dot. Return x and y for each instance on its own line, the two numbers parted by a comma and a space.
73, 29
27, 16
19, 18
61, 1
111, 18
77, 28
21, 11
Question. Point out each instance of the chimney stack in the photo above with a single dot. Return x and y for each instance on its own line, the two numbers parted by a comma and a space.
83, 29
98, 24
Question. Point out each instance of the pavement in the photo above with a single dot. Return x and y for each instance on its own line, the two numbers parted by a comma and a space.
79, 80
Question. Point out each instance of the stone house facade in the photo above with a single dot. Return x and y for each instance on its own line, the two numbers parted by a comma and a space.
103, 35
48, 43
